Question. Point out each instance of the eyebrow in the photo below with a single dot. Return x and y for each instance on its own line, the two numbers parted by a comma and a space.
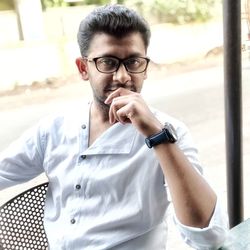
130, 56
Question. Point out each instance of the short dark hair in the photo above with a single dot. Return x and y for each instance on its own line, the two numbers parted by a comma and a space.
115, 20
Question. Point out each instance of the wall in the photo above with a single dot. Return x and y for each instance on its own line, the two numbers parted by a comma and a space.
22, 62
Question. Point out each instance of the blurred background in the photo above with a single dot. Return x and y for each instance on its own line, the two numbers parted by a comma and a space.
38, 37
38, 75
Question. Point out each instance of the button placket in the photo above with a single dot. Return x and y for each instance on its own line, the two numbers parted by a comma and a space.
83, 140
78, 186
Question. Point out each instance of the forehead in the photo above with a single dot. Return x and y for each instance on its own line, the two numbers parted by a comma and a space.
104, 44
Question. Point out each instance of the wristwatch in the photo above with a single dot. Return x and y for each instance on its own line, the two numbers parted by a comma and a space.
167, 134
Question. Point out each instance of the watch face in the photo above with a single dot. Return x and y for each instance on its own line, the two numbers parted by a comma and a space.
172, 133
148, 143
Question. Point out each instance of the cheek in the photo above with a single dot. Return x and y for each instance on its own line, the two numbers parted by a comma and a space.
141, 77
99, 81
138, 82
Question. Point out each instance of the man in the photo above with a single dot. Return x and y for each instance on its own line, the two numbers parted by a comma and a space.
110, 164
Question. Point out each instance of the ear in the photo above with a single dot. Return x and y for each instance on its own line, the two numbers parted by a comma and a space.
82, 68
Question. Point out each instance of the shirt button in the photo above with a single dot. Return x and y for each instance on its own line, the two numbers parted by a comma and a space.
83, 157
78, 186
72, 221
83, 126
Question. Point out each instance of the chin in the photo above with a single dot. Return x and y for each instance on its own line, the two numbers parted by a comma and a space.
101, 104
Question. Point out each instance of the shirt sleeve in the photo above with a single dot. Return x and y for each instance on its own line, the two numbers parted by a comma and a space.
213, 236
208, 238
22, 160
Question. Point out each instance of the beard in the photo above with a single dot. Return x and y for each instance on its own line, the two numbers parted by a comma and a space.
103, 107
100, 98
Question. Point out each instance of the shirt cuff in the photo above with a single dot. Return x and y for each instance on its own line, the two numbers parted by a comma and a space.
208, 238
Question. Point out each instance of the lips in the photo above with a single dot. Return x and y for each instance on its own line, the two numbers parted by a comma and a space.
112, 89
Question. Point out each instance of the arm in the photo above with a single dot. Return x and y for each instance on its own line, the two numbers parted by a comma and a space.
193, 199
22, 160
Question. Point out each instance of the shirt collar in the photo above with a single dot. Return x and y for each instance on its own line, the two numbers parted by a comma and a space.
118, 139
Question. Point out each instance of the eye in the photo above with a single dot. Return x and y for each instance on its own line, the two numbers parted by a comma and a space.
133, 61
136, 64
107, 62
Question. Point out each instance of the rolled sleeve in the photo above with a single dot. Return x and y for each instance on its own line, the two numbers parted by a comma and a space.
208, 238
22, 160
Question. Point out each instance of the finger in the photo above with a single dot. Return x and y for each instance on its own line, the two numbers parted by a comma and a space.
118, 109
124, 115
121, 117
117, 93
112, 114
113, 111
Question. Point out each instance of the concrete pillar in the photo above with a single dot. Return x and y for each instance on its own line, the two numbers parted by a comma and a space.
30, 19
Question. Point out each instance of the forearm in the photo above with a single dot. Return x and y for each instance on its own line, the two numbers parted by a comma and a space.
192, 197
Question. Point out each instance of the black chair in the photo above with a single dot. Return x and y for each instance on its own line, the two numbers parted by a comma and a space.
21, 221
21, 224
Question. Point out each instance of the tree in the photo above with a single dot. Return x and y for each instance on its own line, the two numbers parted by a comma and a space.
59, 3
53, 3
176, 11
7, 5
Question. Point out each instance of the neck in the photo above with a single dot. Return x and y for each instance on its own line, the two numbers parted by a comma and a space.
99, 113
99, 121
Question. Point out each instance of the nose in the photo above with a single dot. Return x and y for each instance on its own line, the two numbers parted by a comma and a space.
122, 75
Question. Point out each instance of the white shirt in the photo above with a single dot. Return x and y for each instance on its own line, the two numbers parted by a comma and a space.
111, 195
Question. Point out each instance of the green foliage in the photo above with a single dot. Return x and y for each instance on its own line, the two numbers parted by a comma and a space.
60, 3
6, 5
102, 2
53, 3
96, 2
172, 11
185, 11
178, 11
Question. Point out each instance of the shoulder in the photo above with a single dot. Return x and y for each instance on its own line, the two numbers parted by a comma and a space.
72, 118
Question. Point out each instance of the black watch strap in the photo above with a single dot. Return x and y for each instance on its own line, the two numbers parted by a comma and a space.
167, 134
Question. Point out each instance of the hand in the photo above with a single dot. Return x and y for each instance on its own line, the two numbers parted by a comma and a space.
129, 107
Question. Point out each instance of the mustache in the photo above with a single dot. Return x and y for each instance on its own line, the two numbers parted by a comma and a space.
112, 87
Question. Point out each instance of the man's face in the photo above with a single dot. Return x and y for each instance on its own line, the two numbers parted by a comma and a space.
104, 84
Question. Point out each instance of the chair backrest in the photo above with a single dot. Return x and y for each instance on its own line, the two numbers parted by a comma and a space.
21, 221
